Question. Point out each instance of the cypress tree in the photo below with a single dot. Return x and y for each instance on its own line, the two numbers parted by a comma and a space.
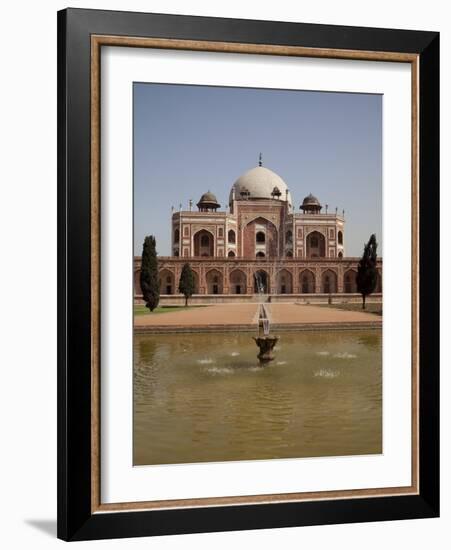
367, 271
150, 284
186, 284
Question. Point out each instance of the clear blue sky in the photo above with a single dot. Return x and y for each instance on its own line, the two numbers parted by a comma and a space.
191, 139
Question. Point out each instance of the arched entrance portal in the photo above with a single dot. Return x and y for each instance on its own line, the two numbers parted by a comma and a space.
260, 238
214, 282
284, 282
167, 285
196, 282
261, 282
238, 282
307, 281
350, 283
329, 282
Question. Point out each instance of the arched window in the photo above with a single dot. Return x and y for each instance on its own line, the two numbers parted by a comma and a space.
260, 237
340, 237
340, 255
176, 236
231, 254
260, 255
289, 254
204, 244
231, 236
289, 237
316, 245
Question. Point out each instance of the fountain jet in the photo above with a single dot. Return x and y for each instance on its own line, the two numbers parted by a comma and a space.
265, 341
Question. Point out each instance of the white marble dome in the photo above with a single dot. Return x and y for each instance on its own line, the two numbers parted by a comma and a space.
260, 183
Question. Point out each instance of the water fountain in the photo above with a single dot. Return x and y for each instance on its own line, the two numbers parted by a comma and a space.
265, 341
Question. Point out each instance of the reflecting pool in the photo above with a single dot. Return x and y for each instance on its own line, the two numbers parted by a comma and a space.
205, 398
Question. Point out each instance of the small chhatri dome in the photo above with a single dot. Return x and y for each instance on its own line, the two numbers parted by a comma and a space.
276, 192
311, 204
208, 197
208, 201
310, 200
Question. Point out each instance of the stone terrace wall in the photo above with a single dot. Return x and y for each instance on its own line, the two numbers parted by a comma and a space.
340, 272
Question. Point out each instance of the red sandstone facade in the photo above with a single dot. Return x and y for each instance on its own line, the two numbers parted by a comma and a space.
259, 244
237, 276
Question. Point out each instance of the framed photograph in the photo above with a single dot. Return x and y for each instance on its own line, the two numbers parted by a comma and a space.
248, 274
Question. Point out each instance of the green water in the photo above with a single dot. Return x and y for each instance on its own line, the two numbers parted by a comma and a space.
204, 397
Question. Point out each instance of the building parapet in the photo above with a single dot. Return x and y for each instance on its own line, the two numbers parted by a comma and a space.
259, 261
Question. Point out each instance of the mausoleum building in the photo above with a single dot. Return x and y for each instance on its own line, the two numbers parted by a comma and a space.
259, 243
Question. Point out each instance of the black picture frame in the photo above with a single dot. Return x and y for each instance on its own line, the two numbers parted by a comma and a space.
75, 518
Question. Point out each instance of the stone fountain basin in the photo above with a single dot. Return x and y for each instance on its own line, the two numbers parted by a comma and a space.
266, 345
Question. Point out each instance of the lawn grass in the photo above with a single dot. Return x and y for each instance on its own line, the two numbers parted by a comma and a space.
375, 308
143, 310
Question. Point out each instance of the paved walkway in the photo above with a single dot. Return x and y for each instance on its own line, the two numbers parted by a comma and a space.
243, 316
217, 314
294, 313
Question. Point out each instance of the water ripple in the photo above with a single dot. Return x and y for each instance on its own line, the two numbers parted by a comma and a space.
197, 400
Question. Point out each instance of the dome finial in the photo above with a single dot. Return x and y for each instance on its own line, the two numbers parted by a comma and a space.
260, 160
